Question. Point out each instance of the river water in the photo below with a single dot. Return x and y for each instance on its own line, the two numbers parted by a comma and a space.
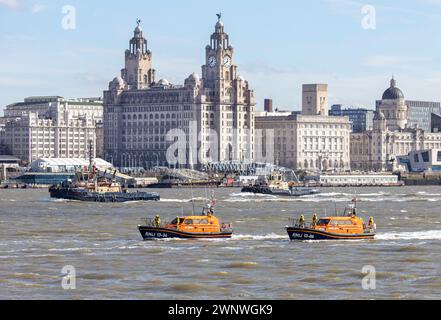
39, 236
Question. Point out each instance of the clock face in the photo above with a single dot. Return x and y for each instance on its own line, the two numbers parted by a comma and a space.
227, 61
212, 61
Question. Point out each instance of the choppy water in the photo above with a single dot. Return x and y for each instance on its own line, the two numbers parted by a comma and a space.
38, 236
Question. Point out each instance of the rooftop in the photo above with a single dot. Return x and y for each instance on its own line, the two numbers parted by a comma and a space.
70, 162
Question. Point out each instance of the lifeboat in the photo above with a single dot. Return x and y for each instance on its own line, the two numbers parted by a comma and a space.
204, 226
348, 226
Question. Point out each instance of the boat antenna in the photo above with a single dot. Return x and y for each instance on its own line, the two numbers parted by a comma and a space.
192, 196
90, 156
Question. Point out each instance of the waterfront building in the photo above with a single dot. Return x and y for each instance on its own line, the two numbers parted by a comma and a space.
436, 123
309, 142
67, 164
358, 180
51, 127
391, 136
9, 161
361, 118
139, 111
420, 113
276, 113
428, 160
315, 100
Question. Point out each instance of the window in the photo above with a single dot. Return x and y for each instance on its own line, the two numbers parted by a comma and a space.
425, 156
323, 222
439, 156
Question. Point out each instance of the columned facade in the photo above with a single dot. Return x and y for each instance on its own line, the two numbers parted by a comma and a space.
378, 149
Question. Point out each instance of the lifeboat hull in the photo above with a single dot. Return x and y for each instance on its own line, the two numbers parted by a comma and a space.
312, 234
152, 233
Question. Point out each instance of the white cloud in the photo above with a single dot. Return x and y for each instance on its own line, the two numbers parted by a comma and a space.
37, 8
19, 5
13, 4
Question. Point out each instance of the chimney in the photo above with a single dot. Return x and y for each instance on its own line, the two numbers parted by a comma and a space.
268, 105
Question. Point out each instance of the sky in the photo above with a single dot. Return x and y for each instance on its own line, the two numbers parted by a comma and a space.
354, 46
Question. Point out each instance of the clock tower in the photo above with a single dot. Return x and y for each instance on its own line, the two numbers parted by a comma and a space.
218, 58
231, 100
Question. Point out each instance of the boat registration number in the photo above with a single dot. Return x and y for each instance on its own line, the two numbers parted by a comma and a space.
156, 235
303, 235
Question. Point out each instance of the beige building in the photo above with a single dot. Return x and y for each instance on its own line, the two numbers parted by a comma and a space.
316, 143
391, 136
215, 111
52, 127
315, 100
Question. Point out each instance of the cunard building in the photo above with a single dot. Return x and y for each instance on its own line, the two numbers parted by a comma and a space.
214, 112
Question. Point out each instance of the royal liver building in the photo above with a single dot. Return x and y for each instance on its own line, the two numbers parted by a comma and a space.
208, 119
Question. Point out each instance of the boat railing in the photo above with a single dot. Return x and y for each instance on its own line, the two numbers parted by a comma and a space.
295, 222
369, 229
150, 222
227, 227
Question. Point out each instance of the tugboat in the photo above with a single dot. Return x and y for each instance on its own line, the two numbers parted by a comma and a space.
87, 186
346, 227
277, 186
204, 226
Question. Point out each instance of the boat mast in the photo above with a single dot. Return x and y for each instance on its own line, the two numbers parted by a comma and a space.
90, 156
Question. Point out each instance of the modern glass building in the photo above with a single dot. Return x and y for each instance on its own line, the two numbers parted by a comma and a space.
362, 119
420, 113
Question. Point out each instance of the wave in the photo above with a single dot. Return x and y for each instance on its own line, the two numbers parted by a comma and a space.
271, 236
250, 194
175, 200
416, 235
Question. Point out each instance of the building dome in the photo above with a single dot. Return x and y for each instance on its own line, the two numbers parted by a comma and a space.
194, 77
138, 29
393, 93
164, 82
219, 24
118, 82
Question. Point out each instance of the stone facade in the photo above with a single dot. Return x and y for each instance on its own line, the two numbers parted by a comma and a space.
51, 127
391, 136
315, 143
215, 112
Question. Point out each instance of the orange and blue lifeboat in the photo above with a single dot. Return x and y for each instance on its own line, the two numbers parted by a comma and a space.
334, 228
206, 226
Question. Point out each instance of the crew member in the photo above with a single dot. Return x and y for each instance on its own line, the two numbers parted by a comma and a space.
371, 223
157, 221
302, 221
314, 220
